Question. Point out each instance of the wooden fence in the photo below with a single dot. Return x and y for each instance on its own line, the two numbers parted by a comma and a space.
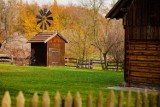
144, 99
4, 58
10, 59
115, 66
74, 62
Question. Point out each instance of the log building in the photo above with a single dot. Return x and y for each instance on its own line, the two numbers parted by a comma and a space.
141, 21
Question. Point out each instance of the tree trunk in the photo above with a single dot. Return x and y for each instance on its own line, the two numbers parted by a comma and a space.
105, 60
102, 65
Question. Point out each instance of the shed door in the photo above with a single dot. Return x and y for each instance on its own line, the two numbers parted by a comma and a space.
54, 56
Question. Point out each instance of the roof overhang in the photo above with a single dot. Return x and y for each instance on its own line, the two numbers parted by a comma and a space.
44, 37
119, 9
56, 34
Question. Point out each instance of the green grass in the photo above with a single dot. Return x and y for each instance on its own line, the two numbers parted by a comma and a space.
63, 79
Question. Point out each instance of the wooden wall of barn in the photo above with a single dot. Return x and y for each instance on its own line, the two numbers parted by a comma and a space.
56, 52
142, 42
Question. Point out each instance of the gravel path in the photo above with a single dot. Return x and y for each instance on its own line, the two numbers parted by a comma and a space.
134, 89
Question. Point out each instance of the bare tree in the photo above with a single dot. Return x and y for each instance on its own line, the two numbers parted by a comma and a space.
104, 33
78, 30
109, 38
117, 51
2, 7
95, 25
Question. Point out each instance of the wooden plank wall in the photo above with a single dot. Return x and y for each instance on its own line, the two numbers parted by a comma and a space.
142, 21
59, 45
142, 12
142, 43
143, 62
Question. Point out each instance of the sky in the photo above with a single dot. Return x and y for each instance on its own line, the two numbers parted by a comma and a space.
62, 2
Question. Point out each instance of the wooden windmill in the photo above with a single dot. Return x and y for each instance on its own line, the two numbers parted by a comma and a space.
44, 17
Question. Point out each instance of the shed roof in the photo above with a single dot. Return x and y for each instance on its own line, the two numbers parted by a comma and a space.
119, 9
44, 37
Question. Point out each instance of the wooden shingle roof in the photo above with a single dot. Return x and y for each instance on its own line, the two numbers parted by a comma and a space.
44, 37
119, 9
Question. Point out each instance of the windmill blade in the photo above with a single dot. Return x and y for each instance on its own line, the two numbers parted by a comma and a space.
41, 12
45, 10
48, 13
39, 21
49, 18
38, 16
44, 18
45, 27
41, 27
49, 24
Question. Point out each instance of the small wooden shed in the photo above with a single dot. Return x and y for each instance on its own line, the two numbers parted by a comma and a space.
48, 49
141, 21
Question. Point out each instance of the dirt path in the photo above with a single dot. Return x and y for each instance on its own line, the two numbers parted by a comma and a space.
133, 89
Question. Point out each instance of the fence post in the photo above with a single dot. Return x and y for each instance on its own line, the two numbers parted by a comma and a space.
67, 62
91, 64
107, 65
68, 100
158, 99
145, 98
77, 62
89, 100
45, 100
117, 64
6, 101
34, 101
20, 100
120, 99
111, 97
100, 100
77, 100
57, 100
129, 98
12, 59
137, 99
152, 99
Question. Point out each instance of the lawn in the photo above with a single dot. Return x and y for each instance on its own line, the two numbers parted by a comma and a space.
63, 79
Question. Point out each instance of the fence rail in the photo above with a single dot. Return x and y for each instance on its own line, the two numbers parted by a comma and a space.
5, 58
75, 62
144, 99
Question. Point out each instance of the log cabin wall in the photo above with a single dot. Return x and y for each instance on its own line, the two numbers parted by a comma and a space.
56, 51
142, 43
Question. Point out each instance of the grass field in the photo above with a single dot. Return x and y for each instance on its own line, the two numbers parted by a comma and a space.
63, 79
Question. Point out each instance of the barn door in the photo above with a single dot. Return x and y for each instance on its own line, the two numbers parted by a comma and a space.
54, 56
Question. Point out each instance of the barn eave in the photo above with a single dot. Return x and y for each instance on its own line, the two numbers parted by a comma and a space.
119, 9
